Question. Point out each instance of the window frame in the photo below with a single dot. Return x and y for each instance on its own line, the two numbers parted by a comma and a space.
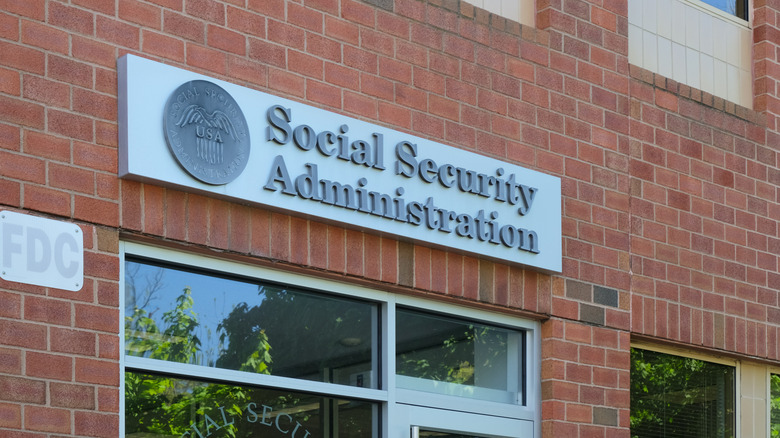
712, 10
387, 395
769, 371
711, 358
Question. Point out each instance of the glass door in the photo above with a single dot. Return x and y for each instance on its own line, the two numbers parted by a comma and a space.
421, 422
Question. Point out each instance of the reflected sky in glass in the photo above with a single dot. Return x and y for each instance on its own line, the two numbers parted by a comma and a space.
253, 326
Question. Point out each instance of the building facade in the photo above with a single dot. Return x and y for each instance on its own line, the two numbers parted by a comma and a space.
389, 218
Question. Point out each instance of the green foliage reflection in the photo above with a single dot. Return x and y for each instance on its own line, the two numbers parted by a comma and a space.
775, 405
166, 405
674, 396
448, 350
158, 405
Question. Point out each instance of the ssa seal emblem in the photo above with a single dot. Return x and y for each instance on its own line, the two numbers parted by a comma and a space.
206, 132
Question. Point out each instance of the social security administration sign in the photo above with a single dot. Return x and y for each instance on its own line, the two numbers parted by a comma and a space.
199, 134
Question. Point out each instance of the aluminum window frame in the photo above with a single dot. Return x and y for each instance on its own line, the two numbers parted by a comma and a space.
387, 396
711, 358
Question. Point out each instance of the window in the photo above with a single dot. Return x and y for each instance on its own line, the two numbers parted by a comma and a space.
694, 44
213, 346
738, 8
676, 396
774, 405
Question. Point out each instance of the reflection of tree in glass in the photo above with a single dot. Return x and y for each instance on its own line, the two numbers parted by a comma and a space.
775, 405
306, 330
303, 325
167, 405
452, 353
675, 396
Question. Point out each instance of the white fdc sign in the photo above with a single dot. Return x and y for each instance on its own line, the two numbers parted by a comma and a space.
42, 252
184, 130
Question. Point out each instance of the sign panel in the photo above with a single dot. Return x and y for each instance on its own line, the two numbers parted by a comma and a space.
199, 134
39, 251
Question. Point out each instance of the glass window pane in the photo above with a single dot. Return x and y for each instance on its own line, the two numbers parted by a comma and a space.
734, 7
159, 406
189, 317
675, 396
437, 434
457, 357
774, 416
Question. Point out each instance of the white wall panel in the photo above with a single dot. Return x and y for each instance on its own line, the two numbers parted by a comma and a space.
692, 43
521, 11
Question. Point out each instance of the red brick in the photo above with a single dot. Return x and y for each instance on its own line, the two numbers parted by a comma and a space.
304, 64
246, 22
323, 93
209, 10
93, 51
305, 17
163, 45
70, 125
108, 399
71, 178
358, 12
184, 27
140, 13
9, 27
22, 167
197, 227
336, 249
48, 200
10, 415
395, 115
70, 18
109, 345
175, 5
534, 53
286, 82
287, 35
218, 224
268, 53
10, 360
73, 341
48, 366
446, 108
97, 5
95, 157
69, 71
17, 389
47, 310
22, 58
96, 105
44, 419
65, 395
246, 70
376, 86
392, 24
666, 100
94, 424
45, 91
360, 59
105, 266
226, 40
99, 372
208, 59
35, 9
45, 37
117, 32
502, 126
272, 8
342, 30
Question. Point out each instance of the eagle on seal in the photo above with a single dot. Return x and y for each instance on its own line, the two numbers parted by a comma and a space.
209, 131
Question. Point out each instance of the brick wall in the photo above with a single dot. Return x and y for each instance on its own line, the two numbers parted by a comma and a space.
670, 195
